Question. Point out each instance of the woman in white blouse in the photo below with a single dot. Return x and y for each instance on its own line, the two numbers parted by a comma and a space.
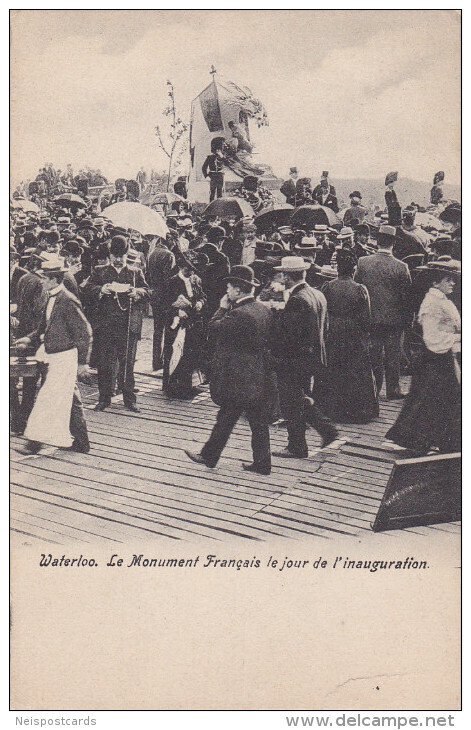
431, 417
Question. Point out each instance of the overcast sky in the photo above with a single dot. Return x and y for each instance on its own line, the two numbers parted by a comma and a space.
357, 93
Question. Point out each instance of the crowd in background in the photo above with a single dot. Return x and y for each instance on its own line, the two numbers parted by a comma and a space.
362, 277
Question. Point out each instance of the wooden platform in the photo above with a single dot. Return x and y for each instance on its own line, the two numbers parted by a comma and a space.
137, 483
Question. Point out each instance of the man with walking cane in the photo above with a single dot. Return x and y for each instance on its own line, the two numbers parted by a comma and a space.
119, 293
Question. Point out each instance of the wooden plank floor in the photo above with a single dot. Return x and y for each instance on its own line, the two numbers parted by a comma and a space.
137, 483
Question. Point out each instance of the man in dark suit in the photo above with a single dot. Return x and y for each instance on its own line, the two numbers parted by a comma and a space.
299, 349
288, 189
324, 194
240, 378
160, 268
118, 292
389, 285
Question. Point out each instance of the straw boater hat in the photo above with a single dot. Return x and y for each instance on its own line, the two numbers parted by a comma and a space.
292, 264
346, 232
52, 264
322, 228
308, 245
446, 265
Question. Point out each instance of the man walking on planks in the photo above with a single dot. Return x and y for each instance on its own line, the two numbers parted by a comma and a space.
241, 381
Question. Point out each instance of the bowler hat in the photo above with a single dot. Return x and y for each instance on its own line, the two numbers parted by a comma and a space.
118, 246
355, 194
53, 237
242, 275
73, 248
293, 170
293, 264
215, 234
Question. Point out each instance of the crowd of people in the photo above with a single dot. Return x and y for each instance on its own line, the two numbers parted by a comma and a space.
288, 317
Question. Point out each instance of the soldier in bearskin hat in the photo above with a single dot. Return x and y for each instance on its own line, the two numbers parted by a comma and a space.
213, 167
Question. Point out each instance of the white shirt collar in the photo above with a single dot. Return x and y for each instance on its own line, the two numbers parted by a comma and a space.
244, 299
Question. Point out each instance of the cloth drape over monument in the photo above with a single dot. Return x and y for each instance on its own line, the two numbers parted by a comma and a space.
223, 110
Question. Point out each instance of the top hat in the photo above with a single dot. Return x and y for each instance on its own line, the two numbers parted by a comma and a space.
292, 264
242, 275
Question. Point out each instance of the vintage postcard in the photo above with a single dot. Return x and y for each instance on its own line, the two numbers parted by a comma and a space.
235, 360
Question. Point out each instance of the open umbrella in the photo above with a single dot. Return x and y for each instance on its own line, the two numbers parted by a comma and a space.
427, 220
279, 215
451, 214
138, 217
70, 200
307, 216
228, 207
27, 205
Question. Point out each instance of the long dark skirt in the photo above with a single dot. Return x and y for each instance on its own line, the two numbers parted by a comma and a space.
180, 384
431, 415
346, 390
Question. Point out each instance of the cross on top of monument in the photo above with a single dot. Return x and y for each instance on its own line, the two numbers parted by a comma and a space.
213, 71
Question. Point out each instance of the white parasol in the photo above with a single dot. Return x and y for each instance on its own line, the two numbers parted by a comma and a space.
138, 217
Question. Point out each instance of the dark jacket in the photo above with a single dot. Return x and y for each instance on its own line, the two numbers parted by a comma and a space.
67, 328
288, 189
31, 298
299, 333
17, 274
239, 364
160, 266
394, 209
113, 310
213, 165
175, 288
389, 285
331, 200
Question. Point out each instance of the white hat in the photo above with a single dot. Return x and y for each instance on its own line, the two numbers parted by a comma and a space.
52, 264
345, 233
292, 264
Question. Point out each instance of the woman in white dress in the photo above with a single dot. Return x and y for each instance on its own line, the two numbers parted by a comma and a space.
63, 339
